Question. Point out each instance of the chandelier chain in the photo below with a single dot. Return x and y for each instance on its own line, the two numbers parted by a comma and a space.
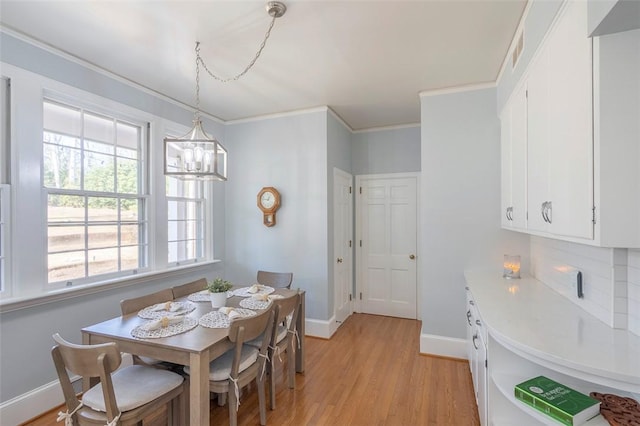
197, 113
199, 59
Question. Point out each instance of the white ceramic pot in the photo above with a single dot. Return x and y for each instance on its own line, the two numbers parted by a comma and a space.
218, 300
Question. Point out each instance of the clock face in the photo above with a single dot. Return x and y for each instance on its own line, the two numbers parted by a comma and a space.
268, 199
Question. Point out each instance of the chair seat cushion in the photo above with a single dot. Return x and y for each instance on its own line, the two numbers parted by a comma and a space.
220, 368
134, 386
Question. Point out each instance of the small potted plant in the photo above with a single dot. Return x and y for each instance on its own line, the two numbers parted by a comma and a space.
218, 289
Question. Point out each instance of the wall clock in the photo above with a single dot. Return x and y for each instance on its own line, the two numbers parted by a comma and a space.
269, 202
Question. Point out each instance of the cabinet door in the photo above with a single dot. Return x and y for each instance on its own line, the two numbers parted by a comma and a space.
505, 159
538, 141
513, 126
570, 130
519, 158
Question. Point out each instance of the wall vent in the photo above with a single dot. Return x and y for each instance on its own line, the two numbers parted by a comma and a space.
517, 50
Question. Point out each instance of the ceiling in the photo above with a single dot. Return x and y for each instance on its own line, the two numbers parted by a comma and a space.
366, 60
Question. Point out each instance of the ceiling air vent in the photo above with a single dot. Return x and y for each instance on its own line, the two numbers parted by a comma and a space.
517, 50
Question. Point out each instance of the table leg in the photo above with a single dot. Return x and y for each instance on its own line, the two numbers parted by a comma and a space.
301, 332
199, 389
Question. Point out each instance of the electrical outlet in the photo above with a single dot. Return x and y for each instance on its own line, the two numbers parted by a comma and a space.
575, 283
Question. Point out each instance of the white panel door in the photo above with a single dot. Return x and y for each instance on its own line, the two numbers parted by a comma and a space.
388, 224
342, 244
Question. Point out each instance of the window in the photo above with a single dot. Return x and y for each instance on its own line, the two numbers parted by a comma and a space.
94, 176
186, 213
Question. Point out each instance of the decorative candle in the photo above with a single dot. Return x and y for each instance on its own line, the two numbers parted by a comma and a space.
511, 266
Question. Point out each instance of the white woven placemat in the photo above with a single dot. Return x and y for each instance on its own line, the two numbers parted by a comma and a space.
170, 330
152, 312
217, 319
244, 291
251, 303
204, 296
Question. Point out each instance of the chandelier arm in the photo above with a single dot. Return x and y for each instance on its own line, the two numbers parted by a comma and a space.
199, 59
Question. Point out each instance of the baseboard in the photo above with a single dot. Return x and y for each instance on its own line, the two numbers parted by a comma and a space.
319, 328
450, 347
31, 404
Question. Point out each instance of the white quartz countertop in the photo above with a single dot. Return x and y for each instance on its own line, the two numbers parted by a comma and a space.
533, 318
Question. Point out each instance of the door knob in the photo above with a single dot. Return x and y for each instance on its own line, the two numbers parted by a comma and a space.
339, 260
412, 256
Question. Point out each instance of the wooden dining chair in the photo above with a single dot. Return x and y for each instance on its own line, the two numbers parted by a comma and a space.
243, 363
189, 288
122, 397
284, 338
275, 279
133, 305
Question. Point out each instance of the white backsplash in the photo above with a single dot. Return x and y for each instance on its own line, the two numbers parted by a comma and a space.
633, 291
610, 276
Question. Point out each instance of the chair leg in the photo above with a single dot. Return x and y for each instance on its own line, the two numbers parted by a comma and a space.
262, 403
233, 403
291, 365
272, 383
222, 399
183, 404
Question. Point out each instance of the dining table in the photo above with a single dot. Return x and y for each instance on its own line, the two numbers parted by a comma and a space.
195, 348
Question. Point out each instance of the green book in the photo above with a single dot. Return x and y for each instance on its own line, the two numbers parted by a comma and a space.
558, 401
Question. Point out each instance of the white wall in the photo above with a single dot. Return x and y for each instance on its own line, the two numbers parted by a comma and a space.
290, 154
460, 204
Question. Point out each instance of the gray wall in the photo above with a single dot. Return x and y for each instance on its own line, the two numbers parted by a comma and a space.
290, 154
460, 204
395, 150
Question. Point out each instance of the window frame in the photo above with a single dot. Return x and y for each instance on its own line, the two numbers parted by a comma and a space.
142, 195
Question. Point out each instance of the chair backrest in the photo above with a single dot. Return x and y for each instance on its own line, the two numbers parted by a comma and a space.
188, 288
86, 361
129, 306
275, 279
82, 359
246, 329
287, 307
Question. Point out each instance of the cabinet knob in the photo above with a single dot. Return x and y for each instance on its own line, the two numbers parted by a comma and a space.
339, 260
412, 256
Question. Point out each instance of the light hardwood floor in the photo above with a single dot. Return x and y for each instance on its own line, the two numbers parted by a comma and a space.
369, 373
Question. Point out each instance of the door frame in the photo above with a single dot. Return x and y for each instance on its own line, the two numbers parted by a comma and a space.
357, 304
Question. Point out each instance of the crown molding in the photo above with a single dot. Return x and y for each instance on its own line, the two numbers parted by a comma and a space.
457, 89
278, 115
383, 128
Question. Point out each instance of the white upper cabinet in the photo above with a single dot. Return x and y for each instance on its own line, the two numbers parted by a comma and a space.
572, 185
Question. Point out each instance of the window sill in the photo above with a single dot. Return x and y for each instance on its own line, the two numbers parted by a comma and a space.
17, 303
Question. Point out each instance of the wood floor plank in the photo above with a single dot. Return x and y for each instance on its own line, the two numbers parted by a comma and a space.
369, 373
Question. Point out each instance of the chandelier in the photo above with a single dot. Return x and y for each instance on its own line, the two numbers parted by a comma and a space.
196, 155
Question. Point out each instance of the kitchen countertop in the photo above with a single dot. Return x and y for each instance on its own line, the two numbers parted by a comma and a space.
530, 317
